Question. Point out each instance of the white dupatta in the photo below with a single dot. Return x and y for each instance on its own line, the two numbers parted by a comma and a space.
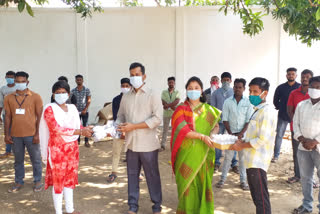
64, 119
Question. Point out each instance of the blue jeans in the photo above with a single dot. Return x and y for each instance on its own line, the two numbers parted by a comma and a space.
8, 146
281, 129
307, 161
19, 145
219, 152
229, 155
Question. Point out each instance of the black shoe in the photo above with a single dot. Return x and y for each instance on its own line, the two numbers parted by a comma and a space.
301, 210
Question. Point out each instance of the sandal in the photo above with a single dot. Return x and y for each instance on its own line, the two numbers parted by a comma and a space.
38, 187
315, 185
220, 184
244, 186
293, 180
87, 144
15, 188
111, 178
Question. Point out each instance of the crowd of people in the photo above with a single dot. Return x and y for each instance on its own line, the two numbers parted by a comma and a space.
52, 135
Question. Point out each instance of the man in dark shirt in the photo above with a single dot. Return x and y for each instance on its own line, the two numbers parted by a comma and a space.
280, 101
117, 143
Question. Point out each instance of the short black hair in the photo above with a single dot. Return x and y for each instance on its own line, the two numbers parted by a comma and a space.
261, 82
307, 71
314, 79
63, 78
240, 80
226, 75
291, 69
22, 74
11, 73
171, 78
198, 80
136, 65
79, 76
60, 84
125, 80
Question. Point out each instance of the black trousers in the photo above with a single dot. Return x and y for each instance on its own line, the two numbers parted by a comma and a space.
258, 183
84, 119
149, 162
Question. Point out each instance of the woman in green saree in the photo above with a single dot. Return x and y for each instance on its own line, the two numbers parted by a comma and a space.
192, 149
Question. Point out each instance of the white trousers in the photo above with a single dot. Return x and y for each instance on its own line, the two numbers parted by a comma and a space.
68, 197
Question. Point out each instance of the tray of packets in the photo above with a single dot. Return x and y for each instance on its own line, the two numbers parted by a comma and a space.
223, 141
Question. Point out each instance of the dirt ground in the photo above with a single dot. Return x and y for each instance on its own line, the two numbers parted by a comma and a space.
95, 195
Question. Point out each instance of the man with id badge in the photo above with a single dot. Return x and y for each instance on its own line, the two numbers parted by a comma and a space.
23, 112
258, 144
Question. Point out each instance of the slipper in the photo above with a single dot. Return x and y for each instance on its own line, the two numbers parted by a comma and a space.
38, 187
112, 178
315, 185
15, 188
293, 180
220, 184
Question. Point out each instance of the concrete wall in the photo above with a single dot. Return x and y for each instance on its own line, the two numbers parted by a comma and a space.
181, 42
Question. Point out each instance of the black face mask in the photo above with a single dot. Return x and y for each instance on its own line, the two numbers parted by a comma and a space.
291, 80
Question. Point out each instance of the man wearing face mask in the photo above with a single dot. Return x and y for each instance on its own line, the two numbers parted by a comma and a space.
214, 85
280, 101
217, 100
258, 144
139, 117
117, 143
23, 112
306, 127
4, 91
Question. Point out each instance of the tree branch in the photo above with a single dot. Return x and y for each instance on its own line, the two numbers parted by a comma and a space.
313, 4
244, 7
275, 2
158, 3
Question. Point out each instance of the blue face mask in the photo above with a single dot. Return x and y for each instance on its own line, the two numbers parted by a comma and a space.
10, 81
193, 94
255, 99
21, 86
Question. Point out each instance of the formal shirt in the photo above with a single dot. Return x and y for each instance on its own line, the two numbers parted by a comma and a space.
82, 97
306, 122
138, 107
280, 99
23, 123
169, 98
295, 97
219, 96
260, 134
116, 105
237, 114
4, 91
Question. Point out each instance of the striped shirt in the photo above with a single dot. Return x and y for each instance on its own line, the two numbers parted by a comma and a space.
261, 135
306, 122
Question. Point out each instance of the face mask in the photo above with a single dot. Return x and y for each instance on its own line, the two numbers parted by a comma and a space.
21, 86
255, 99
10, 81
125, 90
226, 85
136, 81
314, 93
193, 94
61, 98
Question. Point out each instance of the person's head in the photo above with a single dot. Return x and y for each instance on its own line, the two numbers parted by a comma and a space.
21, 80
214, 80
171, 82
137, 74
63, 78
306, 75
314, 88
258, 90
194, 89
61, 92
125, 85
291, 74
239, 86
10, 76
226, 80
79, 80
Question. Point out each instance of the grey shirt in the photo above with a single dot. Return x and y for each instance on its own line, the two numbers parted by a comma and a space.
4, 91
81, 97
138, 107
219, 96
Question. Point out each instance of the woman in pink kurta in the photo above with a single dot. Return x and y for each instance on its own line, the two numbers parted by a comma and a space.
59, 130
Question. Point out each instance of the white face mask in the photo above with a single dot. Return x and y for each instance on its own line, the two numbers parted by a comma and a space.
61, 98
125, 90
314, 93
136, 81
21, 86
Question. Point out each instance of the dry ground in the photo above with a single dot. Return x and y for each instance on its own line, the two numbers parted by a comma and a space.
95, 195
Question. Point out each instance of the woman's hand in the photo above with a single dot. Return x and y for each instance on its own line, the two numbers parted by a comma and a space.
207, 140
87, 131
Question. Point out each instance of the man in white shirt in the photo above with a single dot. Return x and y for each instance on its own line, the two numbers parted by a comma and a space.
306, 126
139, 116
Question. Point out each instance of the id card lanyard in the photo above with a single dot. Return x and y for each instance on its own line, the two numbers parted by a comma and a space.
20, 104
